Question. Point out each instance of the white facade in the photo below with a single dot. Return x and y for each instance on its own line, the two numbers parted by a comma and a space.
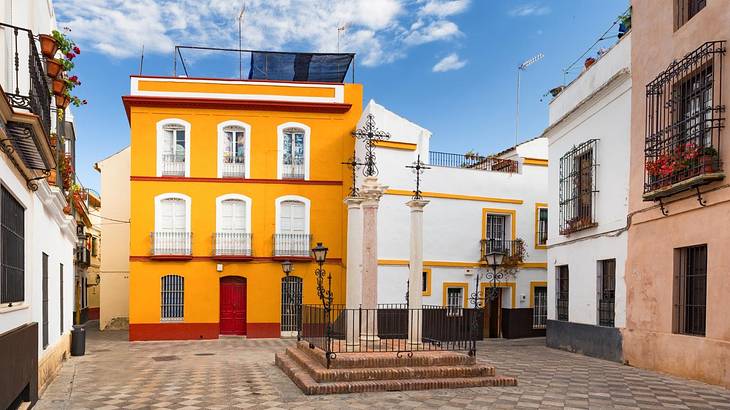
453, 220
597, 105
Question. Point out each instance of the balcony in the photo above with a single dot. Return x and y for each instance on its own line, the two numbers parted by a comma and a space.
234, 167
292, 171
172, 245
292, 245
232, 245
173, 165
512, 249
82, 256
469, 161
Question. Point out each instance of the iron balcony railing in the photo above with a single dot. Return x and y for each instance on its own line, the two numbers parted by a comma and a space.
292, 244
83, 255
31, 93
173, 165
292, 171
234, 167
172, 243
232, 244
562, 309
509, 248
450, 160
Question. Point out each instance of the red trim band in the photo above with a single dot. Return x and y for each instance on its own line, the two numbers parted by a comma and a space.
234, 180
173, 331
263, 330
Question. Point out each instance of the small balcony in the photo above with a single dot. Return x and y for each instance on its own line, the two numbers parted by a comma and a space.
292, 171
172, 245
292, 245
83, 256
471, 161
233, 245
173, 165
234, 167
510, 248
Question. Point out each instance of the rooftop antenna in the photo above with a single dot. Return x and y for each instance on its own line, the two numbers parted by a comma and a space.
340, 30
522, 67
241, 15
141, 60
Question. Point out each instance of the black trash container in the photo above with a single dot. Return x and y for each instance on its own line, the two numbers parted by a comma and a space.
78, 341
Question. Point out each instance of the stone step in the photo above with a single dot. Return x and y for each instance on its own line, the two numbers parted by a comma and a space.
309, 386
321, 374
389, 359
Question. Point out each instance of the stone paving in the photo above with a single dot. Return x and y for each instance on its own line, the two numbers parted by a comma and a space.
240, 373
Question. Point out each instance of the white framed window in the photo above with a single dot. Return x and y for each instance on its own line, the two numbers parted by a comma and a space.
173, 148
454, 300
234, 147
233, 225
172, 234
292, 237
172, 306
293, 148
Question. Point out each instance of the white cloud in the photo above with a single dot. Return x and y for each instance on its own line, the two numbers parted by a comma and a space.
449, 63
379, 31
532, 9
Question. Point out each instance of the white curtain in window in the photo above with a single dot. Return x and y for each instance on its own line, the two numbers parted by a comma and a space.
292, 217
172, 215
173, 143
233, 216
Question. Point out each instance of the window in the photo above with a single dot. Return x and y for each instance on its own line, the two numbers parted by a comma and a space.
577, 188
173, 148
173, 297
44, 286
232, 236
292, 237
172, 222
455, 301
12, 249
60, 287
683, 121
541, 225
94, 246
84, 297
690, 290
606, 292
685, 10
426, 283
291, 303
561, 289
539, 307
293, 148
233, 149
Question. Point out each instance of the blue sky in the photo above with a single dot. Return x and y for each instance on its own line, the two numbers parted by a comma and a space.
448, 65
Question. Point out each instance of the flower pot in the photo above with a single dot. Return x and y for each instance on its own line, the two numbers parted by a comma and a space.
708, 163
48, 45
58, 86
53, 68
67, 209
62, 101
589, 62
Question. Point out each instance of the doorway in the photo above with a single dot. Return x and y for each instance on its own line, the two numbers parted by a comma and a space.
291, 305
493, 316
233, 305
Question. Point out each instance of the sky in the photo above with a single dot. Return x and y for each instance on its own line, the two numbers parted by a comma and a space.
447, 65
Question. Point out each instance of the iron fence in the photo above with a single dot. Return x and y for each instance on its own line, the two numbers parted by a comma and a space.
510, 248
539, 310
292, 244
451, 160
173, 165
292, 171
232, 244
234, 167
171, 243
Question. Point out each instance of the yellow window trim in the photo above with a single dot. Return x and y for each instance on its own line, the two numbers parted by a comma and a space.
406, 146
427, 292
404, 192
534, 285
497, 211
538, 206
463, 285
535, 161
511, 285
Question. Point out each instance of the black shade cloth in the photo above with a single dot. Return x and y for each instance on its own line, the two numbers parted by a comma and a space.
266, 65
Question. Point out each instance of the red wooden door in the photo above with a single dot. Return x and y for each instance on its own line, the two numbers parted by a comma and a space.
233, 306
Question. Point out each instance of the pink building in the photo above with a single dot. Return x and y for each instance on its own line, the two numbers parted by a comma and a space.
678, 263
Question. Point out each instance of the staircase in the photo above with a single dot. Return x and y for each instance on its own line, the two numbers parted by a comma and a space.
381, 371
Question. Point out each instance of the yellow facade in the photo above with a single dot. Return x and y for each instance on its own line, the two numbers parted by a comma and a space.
330, 143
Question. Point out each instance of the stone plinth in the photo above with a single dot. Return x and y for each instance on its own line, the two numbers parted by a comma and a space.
415, 276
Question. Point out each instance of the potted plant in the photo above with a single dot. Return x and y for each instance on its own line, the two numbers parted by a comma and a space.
62, 101
557, 90
67, 209
709, 160
49, 46
625, 23
53, 67
589, 62
58, 86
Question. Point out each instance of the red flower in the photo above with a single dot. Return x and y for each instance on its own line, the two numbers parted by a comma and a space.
70, 55
77, 50
73, 79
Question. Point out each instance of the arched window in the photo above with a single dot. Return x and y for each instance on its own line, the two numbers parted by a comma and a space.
293, 151
172, 225
233, 226
173, 140
233, 149
172, 305
292, 236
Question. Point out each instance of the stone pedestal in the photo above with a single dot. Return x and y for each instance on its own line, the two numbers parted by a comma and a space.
415, 276
371, 191
354, 269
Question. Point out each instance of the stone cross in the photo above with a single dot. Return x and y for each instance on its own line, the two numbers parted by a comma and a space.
370, 135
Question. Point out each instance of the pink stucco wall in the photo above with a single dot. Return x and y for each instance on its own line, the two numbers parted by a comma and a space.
648, 338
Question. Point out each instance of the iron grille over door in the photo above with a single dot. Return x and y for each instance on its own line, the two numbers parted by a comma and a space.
606, 292
690, 291
12, 227
291, 303
562, 292
539, 310
577, 189
173, 297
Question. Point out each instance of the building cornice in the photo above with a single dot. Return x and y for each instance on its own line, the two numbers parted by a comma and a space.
54, 202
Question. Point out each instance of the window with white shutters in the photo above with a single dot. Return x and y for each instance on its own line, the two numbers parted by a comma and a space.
234, 152
171, 236
292, 217
233, 216
292, 238
172, 215
173, 150
292, 158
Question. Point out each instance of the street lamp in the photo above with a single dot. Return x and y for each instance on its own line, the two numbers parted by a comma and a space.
319, 254
286, 266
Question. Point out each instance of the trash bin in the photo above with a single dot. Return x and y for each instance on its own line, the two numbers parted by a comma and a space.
78, 341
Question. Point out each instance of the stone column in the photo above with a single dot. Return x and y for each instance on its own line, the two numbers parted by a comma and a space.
371, 191
415, 289
354, 270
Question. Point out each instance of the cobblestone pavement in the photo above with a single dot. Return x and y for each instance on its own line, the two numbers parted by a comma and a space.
239, 373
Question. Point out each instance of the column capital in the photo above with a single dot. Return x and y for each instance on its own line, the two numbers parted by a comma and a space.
371, 190
417, 204
353, 201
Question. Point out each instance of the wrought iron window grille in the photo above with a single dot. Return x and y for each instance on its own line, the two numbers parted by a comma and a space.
562, 292
606, 292
690, 291
173, 298
578, 188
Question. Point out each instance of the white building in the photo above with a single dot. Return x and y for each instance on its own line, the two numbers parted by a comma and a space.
589, 175
36, 237
466, 195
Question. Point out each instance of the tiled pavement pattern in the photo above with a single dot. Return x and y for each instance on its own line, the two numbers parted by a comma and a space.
239, 373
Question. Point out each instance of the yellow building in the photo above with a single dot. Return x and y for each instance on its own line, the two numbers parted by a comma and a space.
228, 179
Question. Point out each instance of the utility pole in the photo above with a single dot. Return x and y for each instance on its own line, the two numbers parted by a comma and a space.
340, 30
520, 68
240, 39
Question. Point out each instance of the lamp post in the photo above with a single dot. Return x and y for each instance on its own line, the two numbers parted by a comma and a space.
286, 266
493, 259
319, 254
